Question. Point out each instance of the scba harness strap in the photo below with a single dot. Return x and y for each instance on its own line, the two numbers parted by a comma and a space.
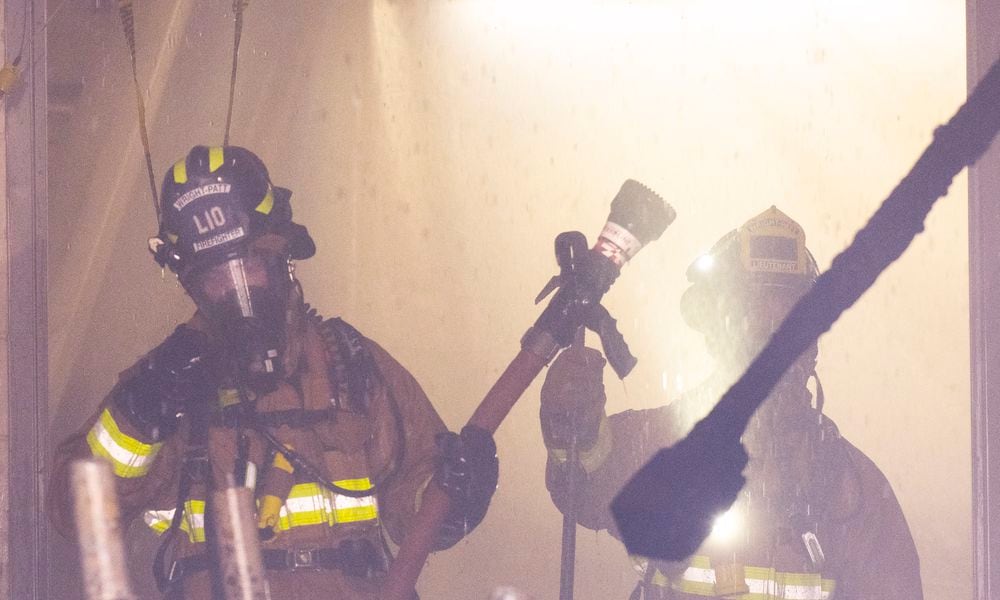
353, 372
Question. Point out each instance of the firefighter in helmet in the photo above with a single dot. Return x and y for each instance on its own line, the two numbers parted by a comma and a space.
816, 519
334, 436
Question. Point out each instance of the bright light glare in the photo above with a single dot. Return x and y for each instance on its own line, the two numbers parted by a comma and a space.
578, 16
637, 17
726, 526
705, 263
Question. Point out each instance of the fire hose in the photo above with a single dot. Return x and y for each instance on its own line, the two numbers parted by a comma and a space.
638, 216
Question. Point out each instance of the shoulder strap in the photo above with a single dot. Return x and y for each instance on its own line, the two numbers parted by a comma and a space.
352, 370
194, 466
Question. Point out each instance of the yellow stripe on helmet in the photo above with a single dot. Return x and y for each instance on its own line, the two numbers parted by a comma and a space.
267, 203
180, 171
215, 158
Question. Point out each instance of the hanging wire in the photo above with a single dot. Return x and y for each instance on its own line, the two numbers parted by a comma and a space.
20, 50
9, 72
238, 7
128, 24
24, 32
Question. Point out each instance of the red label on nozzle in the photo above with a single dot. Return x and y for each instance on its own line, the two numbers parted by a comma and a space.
617, 243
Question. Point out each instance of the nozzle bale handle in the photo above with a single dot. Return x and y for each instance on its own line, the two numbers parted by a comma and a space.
631, 206
612, 341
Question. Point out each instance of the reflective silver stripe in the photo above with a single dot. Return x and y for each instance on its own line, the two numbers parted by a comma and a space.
129, 456
768, 587
117, 452
762, 583
158, 520
700, 575
311, 504
345, 502
193, 522
305, 504
803, 592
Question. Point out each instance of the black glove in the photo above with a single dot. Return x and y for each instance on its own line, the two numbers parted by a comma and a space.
468, 474
573, 399
168, 380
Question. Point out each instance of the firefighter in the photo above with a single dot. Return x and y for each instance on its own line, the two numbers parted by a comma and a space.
336, 438
816, 519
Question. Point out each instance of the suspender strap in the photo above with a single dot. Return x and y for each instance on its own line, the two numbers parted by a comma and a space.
195, 466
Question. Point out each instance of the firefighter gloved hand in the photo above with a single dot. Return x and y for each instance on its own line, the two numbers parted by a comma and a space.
468, 474
169, 380
573, 399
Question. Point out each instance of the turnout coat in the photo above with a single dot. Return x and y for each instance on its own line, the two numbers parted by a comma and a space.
350, 415
832, 531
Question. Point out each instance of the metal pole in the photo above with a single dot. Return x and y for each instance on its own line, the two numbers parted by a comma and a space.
98, 531
567, 564
25, 109
568, 560
241, 568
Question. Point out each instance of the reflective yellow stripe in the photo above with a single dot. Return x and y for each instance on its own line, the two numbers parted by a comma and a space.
350, 510
266, 204
129, 457
313, 504
698, 578
180, 171
228, 397
215, 158
764, 583
355, 485
158, 520
193, 522
307, 504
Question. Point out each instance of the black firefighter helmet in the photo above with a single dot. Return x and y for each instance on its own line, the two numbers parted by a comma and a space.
219, 211
214, 202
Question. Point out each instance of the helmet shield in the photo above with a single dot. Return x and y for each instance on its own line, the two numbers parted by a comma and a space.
773, 244
246, 296
210, 222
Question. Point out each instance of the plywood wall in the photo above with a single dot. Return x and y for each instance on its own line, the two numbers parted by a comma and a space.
436, 148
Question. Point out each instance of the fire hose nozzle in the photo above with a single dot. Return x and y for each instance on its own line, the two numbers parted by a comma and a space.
638, 216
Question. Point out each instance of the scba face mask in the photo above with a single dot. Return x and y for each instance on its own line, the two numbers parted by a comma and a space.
246, 297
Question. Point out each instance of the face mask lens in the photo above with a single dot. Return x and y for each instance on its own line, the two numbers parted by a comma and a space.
238, 287
246, 297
